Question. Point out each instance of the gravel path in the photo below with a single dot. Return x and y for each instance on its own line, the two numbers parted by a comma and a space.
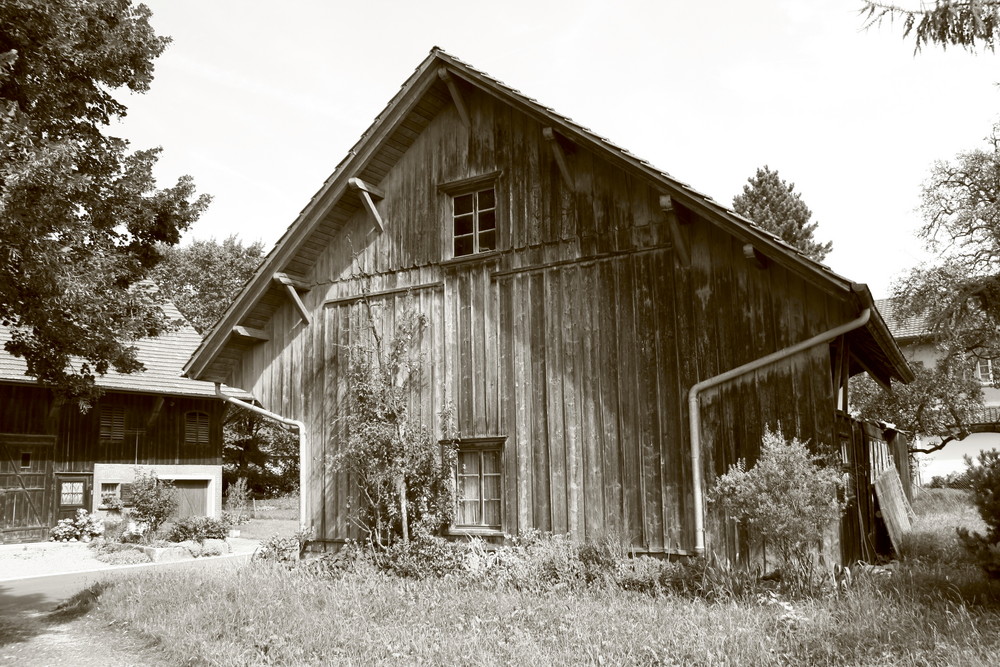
39, 558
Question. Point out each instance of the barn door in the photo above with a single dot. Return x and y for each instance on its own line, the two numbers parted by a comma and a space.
192, 498
25, 484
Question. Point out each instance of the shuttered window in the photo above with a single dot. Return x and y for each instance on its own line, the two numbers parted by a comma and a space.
112, 423
478, 486
196, 428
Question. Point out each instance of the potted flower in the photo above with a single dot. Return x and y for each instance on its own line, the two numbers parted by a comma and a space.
111, 503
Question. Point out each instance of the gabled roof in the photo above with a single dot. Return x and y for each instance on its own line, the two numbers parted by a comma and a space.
163, 356
902, 328
421, 97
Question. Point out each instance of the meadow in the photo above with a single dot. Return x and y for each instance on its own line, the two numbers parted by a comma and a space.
932, 607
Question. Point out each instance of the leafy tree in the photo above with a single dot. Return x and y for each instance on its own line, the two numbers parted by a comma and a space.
773, 204
80, 215
970, 24
202, 278
958, 293
940, 399
260, 451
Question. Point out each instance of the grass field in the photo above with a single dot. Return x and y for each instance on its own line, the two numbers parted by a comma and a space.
935, 609
273, 516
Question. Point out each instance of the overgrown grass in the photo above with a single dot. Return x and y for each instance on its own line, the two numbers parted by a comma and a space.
933, 538
928, 612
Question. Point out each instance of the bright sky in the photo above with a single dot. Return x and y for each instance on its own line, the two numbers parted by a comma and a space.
259, 101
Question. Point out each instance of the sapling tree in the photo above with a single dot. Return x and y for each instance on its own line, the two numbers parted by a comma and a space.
984, 481
403, 475
153, 500
788, 498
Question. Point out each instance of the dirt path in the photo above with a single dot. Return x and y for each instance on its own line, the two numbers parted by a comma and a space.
76, 638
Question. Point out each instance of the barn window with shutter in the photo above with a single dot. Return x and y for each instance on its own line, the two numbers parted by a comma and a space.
196, 428
112, 423
478, 481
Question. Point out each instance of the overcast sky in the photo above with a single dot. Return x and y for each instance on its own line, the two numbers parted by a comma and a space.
258, 101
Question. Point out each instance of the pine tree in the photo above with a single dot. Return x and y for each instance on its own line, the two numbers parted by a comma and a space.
774, 205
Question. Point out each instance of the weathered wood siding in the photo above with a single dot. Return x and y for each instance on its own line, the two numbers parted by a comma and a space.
64, 439
577, 341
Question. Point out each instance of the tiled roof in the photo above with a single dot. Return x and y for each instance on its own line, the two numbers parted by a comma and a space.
902, 328
163, 356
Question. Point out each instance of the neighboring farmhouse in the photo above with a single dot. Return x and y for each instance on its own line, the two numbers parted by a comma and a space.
608, 339
56, 458
913, 336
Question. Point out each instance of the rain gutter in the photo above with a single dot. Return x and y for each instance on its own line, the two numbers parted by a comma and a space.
694, 409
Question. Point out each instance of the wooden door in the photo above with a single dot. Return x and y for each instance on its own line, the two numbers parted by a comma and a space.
25, 487
72, 494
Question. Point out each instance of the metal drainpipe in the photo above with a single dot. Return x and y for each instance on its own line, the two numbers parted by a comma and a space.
299, 426
694, 410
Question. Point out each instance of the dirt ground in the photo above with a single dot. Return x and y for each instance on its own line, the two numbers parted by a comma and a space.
73, 638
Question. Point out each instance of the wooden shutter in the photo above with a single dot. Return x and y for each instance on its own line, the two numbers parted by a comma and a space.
196, 430
112, 422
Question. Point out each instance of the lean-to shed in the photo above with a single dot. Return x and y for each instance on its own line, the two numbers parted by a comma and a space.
580, 303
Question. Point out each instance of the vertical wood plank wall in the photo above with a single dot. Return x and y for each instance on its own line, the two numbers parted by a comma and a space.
577, 341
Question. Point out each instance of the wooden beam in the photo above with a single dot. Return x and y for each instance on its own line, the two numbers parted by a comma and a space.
680, 245
249, 332
456, 95
754, 256
284, 280
366, 191
560, 157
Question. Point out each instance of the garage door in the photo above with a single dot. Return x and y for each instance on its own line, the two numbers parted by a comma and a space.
192, 498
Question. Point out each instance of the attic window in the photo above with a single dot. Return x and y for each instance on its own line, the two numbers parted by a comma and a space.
984, 371
196, 428
112, 423
474, 222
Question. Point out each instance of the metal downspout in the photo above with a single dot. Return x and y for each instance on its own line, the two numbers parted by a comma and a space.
299, 426
694, 410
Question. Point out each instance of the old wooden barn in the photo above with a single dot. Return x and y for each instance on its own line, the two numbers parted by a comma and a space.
56, 458
610, 339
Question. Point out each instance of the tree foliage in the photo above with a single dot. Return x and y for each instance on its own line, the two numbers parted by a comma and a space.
202, 278
941, 398
80, 215
403, 475
260, 451
958, 293
774, 205
984, 481
970, 24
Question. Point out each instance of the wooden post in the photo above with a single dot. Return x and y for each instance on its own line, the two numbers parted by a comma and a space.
680, 245
560, 156
456, 95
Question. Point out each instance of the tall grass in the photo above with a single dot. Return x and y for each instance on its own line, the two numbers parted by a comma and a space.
928, 612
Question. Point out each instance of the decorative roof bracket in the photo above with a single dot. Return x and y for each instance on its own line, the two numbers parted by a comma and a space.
456, 95
366, 192
293, 294
680, 245
256, 335
754, 256
560, 157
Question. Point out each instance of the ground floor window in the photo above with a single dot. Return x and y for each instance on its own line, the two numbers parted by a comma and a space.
71, 493
478, 484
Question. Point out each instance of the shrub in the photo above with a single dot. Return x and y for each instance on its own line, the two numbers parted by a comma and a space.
126, 556
238, 502
83, 526
198, 528
788, 499
285, 550
422, 558
984, 480
153, 500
